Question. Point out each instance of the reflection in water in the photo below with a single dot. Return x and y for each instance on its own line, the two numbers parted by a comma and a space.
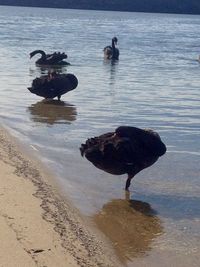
189, 59
46, 69
175, 206
112, 64
43, 70
131, 225
52, 111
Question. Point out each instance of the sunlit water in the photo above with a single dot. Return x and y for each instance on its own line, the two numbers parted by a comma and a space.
155, 84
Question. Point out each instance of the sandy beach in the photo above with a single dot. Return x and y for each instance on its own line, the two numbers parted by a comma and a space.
38, 227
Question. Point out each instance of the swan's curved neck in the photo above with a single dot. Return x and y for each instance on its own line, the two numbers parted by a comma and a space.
43, 54
113, 44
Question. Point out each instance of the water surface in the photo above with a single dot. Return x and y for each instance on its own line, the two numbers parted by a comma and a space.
155, 84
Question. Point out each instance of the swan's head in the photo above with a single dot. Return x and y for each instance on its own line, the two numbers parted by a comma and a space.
73, 81
31, 54
115, 40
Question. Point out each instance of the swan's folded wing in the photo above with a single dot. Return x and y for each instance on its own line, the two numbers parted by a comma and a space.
56, 57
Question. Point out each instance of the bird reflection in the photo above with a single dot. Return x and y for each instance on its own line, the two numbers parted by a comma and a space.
43, 70
52, 111
46, 69
112, 66
131, 225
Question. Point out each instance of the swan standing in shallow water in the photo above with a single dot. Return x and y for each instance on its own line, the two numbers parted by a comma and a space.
111, 52
53, 85
127, 150
50, 59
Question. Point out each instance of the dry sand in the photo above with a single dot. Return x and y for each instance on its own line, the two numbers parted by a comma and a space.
37, 226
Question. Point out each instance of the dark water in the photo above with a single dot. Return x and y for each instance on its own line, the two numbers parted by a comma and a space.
155, 84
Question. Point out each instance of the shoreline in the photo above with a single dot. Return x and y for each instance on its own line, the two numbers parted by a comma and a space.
131, 9
39, 227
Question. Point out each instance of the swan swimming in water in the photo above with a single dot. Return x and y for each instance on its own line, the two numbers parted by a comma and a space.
53, 85
111, 52
126, 150
50, 59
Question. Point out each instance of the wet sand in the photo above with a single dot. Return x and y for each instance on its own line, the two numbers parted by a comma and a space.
38, 227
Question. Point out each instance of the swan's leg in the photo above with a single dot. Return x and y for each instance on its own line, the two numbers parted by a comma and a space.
127, 195
59, 96
128, 181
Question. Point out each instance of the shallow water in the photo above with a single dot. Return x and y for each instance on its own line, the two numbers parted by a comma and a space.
155, 84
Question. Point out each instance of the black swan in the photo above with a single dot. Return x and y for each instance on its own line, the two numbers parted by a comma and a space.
127, 150
111, 52
53, 85
50, 59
